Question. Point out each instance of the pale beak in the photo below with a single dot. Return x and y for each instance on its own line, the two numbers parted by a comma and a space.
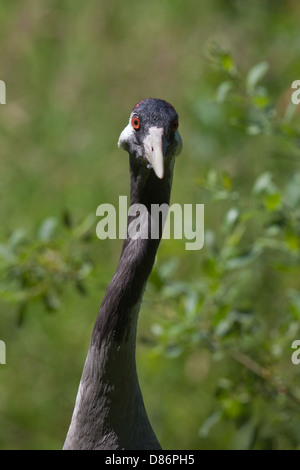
155, 146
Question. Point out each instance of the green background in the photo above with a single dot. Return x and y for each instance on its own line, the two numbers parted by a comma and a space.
73, 72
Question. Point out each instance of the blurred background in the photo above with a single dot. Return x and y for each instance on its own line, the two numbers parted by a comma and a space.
216, 325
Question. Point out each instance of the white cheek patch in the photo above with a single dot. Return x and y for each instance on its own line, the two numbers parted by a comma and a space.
126, 135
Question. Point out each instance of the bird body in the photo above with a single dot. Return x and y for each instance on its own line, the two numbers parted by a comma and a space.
109, 411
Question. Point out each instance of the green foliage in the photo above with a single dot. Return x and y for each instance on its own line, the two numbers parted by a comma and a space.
40, 267
216, 326
244, 306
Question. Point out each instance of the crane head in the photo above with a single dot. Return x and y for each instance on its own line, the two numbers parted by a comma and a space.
152, 134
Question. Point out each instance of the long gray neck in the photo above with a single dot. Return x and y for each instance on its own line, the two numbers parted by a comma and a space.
109, 411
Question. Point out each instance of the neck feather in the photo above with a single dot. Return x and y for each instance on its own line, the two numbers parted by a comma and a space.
109, 394
119, 306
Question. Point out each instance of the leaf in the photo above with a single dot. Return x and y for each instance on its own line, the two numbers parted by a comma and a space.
47, 229
254, 129
263, 183
6, 254
273, 201
292, 240
244, 260
212, 178
235, 237
233, 408
255, 74
157, 329
292, 191
173, 351
166, 270
210, 239
223, 91
227, 182
16, 238
261, 100
228, 64
191, 301
245, 437
230, 218
212, 419
85, 270
175, 289
83, 229
224, 326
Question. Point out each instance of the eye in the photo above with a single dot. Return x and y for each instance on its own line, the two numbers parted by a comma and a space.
174, 125
135, 122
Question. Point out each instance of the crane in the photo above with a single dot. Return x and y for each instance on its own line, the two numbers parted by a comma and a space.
109, 412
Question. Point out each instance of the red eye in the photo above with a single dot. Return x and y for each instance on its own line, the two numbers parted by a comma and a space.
135, 122
174, 125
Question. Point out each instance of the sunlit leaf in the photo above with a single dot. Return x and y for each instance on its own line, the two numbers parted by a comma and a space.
208, 424
46, 230
255, 75
223, 91
273, 201
231, 218
263, 183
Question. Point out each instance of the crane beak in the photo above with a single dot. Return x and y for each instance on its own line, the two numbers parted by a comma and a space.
155, 145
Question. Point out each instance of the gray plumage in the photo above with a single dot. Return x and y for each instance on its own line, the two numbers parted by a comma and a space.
109, 412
